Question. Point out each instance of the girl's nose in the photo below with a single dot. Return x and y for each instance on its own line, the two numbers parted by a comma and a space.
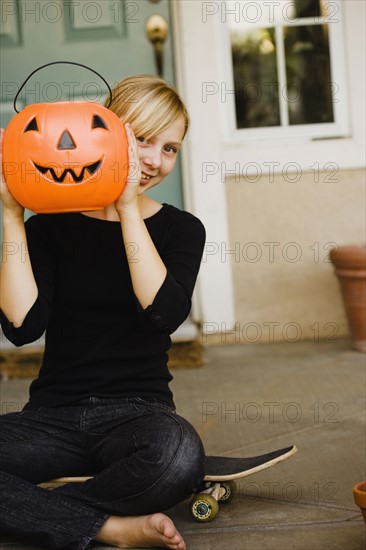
152, 158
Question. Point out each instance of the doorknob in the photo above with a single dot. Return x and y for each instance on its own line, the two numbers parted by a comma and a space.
157, 32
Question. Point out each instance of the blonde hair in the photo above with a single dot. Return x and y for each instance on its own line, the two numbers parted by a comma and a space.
148, 103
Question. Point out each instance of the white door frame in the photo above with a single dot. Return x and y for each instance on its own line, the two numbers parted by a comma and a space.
195, 64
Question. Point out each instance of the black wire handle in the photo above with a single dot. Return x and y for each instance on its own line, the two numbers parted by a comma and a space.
69, 63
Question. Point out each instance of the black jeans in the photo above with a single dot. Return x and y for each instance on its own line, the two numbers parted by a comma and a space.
143, 456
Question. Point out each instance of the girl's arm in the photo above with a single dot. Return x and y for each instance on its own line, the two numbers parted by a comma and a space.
18, 289
163, 282
147, 269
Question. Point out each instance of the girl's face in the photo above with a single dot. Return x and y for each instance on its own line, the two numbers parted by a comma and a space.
158, 154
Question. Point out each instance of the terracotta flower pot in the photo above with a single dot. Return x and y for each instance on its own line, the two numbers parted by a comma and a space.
350, 266
359, 494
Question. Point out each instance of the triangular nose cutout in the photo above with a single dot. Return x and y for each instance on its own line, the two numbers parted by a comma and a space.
66, 141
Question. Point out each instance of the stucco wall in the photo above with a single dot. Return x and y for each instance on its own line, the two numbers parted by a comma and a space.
280, 235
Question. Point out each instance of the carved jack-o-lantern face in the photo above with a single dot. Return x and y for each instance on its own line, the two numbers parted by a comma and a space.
64, 157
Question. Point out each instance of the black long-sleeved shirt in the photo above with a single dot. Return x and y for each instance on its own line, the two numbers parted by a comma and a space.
99, 341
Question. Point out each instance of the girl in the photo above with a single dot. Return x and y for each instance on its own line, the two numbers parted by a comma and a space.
109, 287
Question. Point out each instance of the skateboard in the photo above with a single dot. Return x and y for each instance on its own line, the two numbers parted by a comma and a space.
219, 483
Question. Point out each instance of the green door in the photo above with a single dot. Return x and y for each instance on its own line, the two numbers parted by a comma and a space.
107, 35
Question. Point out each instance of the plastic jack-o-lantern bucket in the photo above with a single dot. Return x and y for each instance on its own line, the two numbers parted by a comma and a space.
65, 157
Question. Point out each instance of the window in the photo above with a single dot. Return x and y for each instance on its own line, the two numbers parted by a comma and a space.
287, 72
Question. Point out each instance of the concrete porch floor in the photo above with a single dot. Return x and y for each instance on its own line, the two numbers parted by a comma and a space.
250, 399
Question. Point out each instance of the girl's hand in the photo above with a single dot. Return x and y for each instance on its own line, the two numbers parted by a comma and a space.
7, 199
129, 195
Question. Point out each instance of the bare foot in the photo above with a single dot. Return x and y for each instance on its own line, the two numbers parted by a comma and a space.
152, 531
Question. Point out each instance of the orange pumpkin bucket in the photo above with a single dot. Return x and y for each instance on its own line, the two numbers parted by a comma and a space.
65, 157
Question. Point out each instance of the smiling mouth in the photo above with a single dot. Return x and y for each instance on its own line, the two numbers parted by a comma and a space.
90, 169
145, 178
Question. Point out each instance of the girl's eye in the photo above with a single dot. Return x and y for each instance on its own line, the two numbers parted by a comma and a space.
170, 149
141, 139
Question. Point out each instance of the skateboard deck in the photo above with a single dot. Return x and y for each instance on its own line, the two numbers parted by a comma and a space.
221, 468
221, 473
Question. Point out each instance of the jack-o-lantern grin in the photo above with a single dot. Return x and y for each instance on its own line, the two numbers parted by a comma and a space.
91, 169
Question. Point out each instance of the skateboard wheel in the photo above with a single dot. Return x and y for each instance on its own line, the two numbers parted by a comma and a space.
204, 507
230, 488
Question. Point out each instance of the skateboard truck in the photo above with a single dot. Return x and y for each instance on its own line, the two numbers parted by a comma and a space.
204, 506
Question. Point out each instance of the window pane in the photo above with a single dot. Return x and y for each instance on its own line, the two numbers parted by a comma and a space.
309, 86
255, 78
303, 8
